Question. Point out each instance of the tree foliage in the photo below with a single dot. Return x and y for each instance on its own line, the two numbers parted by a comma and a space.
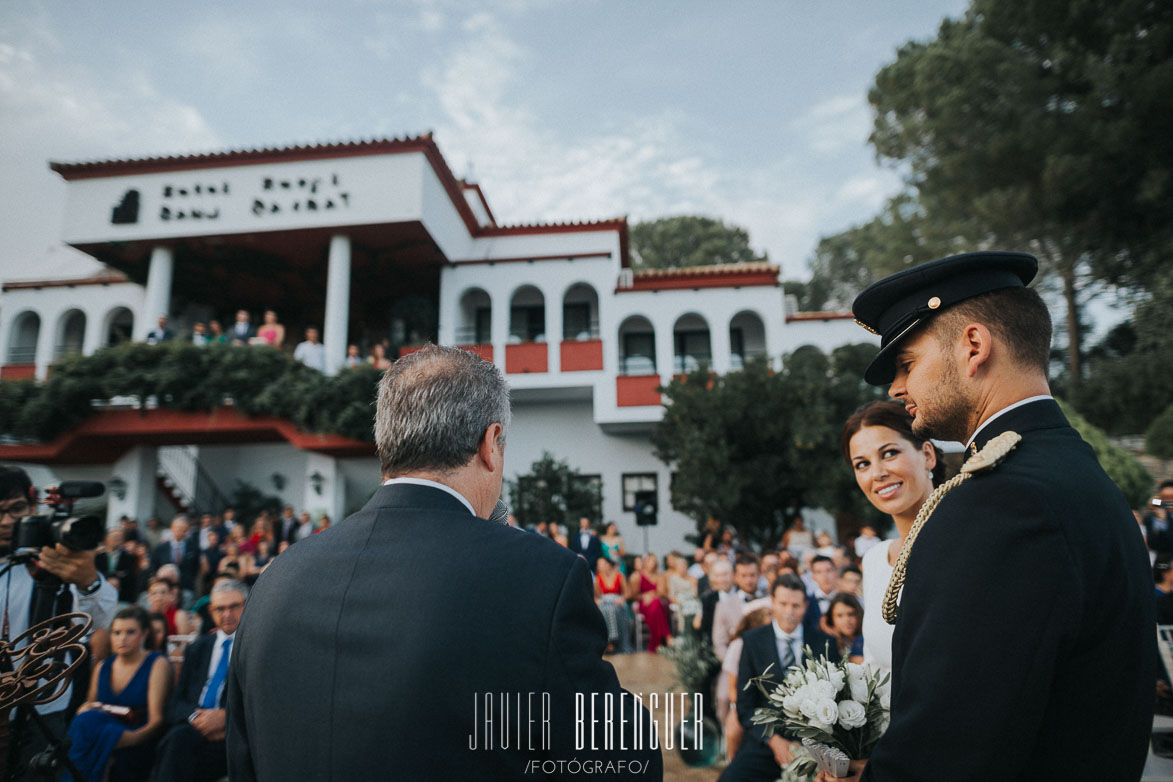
1133, 480
183, 376
554, 492
1041, 126
1158, 440
689, 241
751, 447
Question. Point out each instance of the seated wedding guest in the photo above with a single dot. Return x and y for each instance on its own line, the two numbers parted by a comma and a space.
647, 589
844, 623
697, 568
210, 558
353, 357
729, 667
159, 633
721, 581
865, 540
610, 589
797, 537
613, 548
825, 545
824, 581
682, 586
770, 562
780, 644
311, 352
163, 596
193, 747
378, 358
1163, 574
116, 561
306, 527
323, 524
117, 725
746, 572
851, 581
271, 332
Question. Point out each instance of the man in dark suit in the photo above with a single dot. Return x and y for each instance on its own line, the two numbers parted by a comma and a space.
286, 527
586, 543
417, 619
242, 331
182, 551
115, 561
782, 643
1023, 648
192, 749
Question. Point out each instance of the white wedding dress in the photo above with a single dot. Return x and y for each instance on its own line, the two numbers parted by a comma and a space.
877, 634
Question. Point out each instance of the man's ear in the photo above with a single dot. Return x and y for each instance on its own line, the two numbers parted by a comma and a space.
976, 345
488, 452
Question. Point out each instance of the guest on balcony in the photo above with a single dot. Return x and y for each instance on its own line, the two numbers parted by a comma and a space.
312, 352
271, 332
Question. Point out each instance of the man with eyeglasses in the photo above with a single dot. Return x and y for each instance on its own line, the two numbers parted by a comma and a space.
193, 747
89, 593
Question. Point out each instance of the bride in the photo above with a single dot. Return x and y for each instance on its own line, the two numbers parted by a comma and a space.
896, 470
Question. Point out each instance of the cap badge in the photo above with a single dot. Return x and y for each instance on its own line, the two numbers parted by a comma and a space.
934, 302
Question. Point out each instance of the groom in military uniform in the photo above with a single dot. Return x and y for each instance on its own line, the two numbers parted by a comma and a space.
1024, 639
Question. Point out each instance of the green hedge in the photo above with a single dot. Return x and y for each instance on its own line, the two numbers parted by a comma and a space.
182, 376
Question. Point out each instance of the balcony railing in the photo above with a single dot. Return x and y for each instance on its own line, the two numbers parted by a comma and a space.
469, 335
637, 365
737, 361
690, 362
581, 335
22, 355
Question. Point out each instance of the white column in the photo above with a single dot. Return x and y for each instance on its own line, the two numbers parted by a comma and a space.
157, 297
335, 332
665, 349
136, 468
93, 336
553, 331
499, 317
46, 343
719, 344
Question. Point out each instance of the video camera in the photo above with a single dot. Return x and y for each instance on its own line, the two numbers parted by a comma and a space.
80, 533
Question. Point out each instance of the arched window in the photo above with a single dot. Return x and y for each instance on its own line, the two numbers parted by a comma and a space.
580, 313
747, 339
22, 344
690, 342
71, 333
119, 326
637, 346
476, 318
527, 315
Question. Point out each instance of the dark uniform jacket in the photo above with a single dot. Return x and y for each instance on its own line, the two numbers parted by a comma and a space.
367, 652
1024, 645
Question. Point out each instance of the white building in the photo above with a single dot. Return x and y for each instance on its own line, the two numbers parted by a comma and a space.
368, 240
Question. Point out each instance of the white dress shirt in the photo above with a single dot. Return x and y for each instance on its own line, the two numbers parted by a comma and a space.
1004, 410
794, 640
425, 482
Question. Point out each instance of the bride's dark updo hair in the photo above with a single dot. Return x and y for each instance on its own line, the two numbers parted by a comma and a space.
895, 417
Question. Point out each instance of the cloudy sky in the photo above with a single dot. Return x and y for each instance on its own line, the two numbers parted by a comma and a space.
754, 112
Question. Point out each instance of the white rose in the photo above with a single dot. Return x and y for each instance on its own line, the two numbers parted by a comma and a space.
835, 676
827, 712
824, 690
809, 708
886, 699
855, 670
811, 677
795, 678
791, 703
852, 714
859, 690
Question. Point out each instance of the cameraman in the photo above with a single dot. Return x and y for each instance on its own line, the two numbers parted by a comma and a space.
89, 593
1158, 522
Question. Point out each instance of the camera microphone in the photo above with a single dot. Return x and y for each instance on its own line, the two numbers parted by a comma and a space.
73, 490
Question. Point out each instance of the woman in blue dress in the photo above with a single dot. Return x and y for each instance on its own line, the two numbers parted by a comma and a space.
122, 718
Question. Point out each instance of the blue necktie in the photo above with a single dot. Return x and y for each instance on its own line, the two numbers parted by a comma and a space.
212, 694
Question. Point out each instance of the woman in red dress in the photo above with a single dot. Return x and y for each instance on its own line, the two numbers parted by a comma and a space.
648, 588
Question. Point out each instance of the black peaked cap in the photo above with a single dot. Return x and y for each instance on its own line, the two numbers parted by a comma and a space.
894, 306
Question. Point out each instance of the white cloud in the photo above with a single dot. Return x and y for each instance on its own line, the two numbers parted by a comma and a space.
48, 112
836, 124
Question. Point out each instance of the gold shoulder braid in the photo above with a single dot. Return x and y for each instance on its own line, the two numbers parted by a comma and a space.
994, 452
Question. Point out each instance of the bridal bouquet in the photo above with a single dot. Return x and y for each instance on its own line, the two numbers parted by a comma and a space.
843, 706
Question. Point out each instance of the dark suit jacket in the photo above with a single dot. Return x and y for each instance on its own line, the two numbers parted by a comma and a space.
279, 533
591, 553
387, 632
1024, 645
193, 676
759, 651
189, 566
125, 568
